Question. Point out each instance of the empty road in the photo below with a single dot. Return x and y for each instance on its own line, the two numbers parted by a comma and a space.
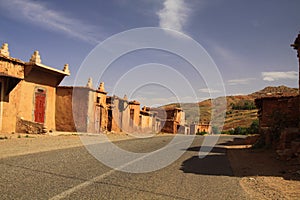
74, 173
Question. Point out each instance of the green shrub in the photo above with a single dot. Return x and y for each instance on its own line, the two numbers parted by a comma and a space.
215, 130
201, 133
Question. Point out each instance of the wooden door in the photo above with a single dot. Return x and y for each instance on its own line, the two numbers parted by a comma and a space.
40, 105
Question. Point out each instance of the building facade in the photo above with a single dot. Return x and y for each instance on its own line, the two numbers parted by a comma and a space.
27, 93
81, 109
172, 120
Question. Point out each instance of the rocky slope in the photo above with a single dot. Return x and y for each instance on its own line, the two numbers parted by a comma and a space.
241, 110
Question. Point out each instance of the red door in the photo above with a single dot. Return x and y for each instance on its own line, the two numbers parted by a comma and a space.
39, 111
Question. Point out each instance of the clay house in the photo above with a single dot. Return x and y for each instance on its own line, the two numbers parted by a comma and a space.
126, 116
134, 121
147, 120
118, 114
81, 109
200, 127
279, 119
172, 120
27, 93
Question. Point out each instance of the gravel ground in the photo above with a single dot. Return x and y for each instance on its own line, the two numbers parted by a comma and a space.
263, 175
22, 144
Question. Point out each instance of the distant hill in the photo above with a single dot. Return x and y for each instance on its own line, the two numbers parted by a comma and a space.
241, 110
275, 91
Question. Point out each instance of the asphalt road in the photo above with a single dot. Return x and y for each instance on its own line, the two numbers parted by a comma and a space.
74, 173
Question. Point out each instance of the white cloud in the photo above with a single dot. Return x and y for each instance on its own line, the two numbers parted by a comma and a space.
243, 81
273, 76
173, 15
207, 90
39, 14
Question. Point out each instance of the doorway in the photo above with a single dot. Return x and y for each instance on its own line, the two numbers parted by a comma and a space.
40, 105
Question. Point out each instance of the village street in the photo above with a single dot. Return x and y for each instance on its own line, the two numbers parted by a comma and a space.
73, 173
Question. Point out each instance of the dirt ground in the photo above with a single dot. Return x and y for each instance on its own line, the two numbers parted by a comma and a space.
263, 176
21, 144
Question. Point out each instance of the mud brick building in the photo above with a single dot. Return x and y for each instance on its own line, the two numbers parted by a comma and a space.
200, 127
278, 109
147, 120
279, 118
134, 121
27, 93
172, 120
118, 113
125, 116
81, 109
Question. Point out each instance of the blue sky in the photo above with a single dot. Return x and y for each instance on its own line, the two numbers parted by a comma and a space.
248, 40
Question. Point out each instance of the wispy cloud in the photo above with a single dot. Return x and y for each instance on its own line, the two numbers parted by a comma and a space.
243, 81
173, 15
207, 90
39, 14
274, 76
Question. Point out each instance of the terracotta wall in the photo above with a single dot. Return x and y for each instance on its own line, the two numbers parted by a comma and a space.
103, 110
64, 116
9, 107
272, 110
27, 103
134, 121
169, 126
66, 107
115, 117
9, 67
20, 103
146, 122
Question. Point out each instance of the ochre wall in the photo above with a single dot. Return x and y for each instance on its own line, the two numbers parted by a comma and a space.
27, 103
20, 102
274, 109
67, 107
11, 68
9, 108
64, 116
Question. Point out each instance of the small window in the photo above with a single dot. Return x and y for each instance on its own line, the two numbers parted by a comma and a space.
40, 90
98, 100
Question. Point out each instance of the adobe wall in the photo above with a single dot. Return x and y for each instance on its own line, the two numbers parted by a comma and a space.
39, 76
64, 116
90, 118
66, 106
136, 117
125, 118
27, 103
115, 120
284, 109
9, 104
169, 126
103, 110
11, 68
9, 108
19, 103
146, 123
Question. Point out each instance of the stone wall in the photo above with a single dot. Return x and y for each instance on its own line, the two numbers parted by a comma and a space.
278, 124
275, 110
24, 126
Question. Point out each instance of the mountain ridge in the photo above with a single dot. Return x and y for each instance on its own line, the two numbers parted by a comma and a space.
241, 110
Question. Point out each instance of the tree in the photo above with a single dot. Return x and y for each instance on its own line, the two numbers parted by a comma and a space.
215, 130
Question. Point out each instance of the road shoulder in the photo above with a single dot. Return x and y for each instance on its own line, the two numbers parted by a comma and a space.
263, 176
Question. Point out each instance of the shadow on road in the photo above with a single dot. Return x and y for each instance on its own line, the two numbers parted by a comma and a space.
216, 163
241, 162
